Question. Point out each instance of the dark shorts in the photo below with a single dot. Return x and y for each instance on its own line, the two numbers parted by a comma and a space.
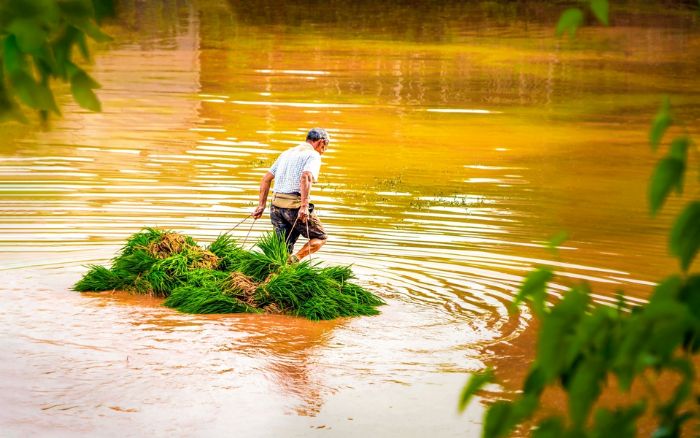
283, 219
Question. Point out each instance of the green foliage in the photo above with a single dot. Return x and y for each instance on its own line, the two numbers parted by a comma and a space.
475, 383
685, 235
569, 21
581, 346
667, 176
556, 241
38, 39
534, 288
600, 10
661, 123
224, 278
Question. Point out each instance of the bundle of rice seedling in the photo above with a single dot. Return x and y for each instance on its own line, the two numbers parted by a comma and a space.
225, 278
241, 286
190, 299
99, 278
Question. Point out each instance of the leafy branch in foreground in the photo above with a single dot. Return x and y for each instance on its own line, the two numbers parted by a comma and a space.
572, 18
584, 349
37, 40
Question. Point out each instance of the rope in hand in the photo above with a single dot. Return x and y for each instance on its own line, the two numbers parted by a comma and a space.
249, 230
308, 236
239, 223
307, 232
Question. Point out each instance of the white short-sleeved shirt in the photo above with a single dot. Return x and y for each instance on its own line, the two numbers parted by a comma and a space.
289, 166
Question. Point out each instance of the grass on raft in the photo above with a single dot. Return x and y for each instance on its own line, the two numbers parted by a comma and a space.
225, 278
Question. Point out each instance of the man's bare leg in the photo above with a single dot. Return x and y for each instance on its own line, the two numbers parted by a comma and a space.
310, 247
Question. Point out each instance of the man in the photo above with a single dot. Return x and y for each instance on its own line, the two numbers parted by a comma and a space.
294, 172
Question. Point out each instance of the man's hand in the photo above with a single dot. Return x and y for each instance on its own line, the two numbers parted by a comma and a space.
257, 213
304, 213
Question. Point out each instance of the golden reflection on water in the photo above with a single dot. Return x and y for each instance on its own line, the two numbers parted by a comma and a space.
459, 147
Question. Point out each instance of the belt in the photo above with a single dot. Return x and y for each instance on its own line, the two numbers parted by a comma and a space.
286, 200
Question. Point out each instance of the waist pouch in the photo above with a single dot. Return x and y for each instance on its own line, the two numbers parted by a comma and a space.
286, 200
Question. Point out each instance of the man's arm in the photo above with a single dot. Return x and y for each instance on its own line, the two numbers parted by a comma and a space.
306, 182
264, 190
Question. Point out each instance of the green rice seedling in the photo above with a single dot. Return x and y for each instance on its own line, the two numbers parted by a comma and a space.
136, 262
160, 282
200, 258
361, 295
204, 278
142, 239
242, 287
341, 274
294, 284
319, 307
141, 286
97, 279
229, 253
206, 300
173, 266
256, 265
224, 278
333, 305
274, 247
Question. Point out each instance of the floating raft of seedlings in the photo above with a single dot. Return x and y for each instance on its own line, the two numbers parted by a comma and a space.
225, 278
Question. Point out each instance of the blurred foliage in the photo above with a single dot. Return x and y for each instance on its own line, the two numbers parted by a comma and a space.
38, 38
585, 349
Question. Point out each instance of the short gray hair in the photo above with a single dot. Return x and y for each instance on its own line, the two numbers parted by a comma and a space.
316, 134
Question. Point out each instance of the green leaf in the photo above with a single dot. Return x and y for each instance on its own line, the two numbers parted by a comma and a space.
679, 148
557, 329
667, 322
26, 88
690, 295
557, 240
620, 423
93, 31
103, 9
552, 427
30, 35
661, 122
82, 45
668, 289
474, 384
585, 389
11, 55
570, 20
535, 382
497, 421
81, 87
667, 176
685, 235
535, 288
600, 10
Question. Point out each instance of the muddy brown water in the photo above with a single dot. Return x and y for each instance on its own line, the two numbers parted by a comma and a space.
464, 136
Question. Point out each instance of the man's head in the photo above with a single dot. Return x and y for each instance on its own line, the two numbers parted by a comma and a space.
319, 139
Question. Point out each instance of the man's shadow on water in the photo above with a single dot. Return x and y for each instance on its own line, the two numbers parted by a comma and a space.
291, 346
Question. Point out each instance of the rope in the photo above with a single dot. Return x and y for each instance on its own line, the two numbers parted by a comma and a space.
308, 236
290, 233
249, 230
239, 223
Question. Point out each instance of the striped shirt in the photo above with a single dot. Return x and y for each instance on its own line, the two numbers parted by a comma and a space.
289, 166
